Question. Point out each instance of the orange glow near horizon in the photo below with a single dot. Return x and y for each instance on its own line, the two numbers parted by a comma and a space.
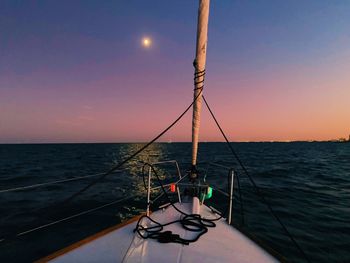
122, 72
292, 106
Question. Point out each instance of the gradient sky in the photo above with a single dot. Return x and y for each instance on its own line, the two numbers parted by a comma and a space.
75, 71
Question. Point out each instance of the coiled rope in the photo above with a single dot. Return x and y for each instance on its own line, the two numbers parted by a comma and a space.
119, 165
189, 219
190, 222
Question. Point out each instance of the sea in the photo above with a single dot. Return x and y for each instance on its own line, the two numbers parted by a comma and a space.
307, 184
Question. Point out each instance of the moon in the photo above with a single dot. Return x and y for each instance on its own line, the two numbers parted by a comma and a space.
146, 42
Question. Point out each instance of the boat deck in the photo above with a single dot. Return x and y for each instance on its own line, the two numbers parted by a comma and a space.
222, 243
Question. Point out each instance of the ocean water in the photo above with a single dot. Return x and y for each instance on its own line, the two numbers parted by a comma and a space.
307, 184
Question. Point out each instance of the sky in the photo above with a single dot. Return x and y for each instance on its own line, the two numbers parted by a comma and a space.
76, 71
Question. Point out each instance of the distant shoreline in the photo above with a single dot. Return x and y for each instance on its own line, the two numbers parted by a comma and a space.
164, 142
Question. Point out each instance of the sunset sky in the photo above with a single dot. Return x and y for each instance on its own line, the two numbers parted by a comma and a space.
78, 71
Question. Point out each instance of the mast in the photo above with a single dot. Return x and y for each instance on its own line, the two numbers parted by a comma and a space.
199, 64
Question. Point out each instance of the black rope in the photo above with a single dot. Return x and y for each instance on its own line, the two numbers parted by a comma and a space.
59, 205
257, 189
168, 198
135, 153
197, 75
240, 197
190, 222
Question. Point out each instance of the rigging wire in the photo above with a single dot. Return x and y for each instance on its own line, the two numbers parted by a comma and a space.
116, 167
140, 150
236, 177
192, 217
240, 197
167, 196
188, 219
157, 187
190, 222
256, 188
65, 219
26, 187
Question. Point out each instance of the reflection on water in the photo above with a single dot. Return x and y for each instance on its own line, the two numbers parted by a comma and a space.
154, 153
306, 183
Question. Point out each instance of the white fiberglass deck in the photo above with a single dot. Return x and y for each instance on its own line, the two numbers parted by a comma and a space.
222, 243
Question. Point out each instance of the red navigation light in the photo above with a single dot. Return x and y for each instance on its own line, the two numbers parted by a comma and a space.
172, 188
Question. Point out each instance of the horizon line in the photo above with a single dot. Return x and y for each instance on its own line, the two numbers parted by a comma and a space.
169, 142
